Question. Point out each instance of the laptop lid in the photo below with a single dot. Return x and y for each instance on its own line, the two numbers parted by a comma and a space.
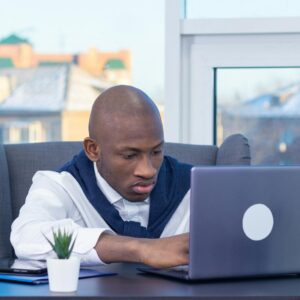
245, 221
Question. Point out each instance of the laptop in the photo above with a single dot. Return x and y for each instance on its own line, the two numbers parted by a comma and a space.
244, 222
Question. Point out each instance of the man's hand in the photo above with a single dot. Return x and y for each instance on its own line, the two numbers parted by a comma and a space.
166, 252
159, 253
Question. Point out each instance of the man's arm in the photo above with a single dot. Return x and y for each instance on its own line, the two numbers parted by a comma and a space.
48, 206
160, 253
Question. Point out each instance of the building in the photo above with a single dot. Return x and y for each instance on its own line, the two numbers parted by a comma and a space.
270, 122
112, 66
47, 97
46, 103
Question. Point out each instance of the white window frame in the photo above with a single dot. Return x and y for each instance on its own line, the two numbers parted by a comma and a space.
195, 47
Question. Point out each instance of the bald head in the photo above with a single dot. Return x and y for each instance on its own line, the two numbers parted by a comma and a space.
126, 141
119, 104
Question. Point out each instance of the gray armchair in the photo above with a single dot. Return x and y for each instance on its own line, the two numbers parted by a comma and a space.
20, 161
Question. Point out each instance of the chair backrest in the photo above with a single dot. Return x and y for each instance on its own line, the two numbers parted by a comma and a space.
19, 162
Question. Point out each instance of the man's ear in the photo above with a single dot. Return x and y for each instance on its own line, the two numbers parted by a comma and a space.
92, 149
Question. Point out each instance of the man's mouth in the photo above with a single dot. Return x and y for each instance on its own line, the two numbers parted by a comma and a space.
143, 188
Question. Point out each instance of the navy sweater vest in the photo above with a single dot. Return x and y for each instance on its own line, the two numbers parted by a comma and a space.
172, 184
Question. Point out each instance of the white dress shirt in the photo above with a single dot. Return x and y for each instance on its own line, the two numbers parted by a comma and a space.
129, 211
57, 200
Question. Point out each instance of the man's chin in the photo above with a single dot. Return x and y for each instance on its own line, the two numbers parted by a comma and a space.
137, 197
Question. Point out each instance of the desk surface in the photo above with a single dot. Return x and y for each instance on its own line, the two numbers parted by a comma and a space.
128, 284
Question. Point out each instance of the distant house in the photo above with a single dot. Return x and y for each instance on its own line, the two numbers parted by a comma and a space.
18, 51
112, 66
46, 103
47, 97
115, 67
271, 123
115, 70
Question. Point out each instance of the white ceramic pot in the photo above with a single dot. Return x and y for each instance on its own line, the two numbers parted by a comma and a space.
63, 274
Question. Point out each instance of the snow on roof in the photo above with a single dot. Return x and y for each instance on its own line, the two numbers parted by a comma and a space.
284, 103
39, 89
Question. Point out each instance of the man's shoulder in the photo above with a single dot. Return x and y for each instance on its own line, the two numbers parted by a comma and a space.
50, 176
172, 162
80, 160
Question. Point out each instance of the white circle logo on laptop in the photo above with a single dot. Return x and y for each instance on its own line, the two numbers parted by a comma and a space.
258, 222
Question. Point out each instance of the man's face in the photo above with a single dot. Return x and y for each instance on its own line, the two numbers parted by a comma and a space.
131, 154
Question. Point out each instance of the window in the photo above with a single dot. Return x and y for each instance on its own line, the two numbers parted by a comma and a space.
56, 57
204, 56
264, 105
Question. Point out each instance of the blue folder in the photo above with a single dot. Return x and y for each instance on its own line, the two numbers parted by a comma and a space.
29, 279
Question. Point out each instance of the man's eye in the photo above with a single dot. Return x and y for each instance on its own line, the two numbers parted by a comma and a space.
129, 156
157, 152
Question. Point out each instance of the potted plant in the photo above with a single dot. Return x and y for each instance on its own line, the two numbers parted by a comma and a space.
63, 270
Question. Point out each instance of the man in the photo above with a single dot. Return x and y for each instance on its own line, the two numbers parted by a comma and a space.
124, 200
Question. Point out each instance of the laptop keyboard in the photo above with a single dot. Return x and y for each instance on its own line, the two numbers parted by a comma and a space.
179, 269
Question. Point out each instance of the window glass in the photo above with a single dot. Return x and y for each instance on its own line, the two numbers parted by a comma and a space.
264, 105
57, 56
196, 9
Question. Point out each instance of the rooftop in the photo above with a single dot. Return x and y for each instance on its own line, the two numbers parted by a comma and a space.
283, 103
50, 89
39, 89
114, 64
6, 63
13, 39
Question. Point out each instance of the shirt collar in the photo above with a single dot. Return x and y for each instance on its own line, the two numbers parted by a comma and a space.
111, 195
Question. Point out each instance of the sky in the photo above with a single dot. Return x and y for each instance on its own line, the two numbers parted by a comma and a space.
71, 26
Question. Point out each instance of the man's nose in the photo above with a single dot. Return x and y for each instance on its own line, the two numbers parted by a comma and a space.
145, 168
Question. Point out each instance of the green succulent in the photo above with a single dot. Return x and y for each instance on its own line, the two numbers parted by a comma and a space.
62, 243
